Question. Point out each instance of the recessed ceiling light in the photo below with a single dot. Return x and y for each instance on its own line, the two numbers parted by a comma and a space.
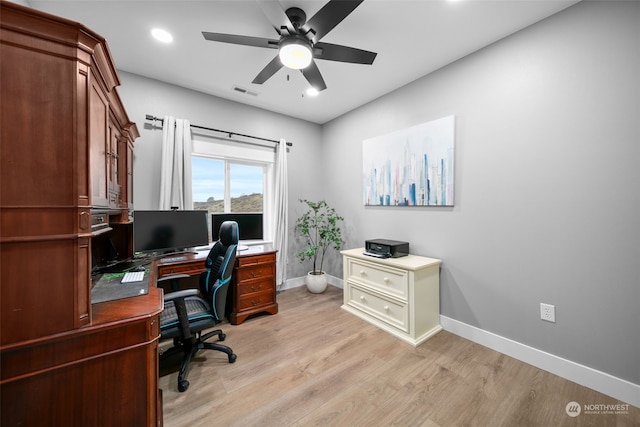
162, 35
312, 91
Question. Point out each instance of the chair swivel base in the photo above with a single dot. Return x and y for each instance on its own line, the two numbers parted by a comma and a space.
190, 347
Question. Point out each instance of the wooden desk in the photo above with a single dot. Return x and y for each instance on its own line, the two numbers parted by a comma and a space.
104, 374
253, 284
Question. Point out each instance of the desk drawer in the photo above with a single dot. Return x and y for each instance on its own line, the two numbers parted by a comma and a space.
242, 261
383, 278
255, 300
253, 273
394, 313
253, 286
190, 269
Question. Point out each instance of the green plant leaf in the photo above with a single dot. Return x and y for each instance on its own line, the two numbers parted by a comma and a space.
318, 225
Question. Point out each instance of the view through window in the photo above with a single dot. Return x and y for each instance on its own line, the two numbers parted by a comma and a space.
220, 185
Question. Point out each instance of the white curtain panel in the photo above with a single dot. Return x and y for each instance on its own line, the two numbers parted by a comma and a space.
175, 172
281, 217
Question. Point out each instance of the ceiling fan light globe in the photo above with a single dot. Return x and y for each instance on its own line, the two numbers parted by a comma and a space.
295, 55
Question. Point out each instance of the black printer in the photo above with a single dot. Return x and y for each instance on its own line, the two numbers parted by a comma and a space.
383, 248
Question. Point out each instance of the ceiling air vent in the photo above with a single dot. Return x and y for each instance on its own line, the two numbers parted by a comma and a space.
245, 91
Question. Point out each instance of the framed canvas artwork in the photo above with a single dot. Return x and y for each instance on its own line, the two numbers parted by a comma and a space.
410, 167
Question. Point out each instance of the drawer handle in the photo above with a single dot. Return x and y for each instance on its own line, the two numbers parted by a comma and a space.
386, 280
361, 297
386, 308
254, 302
363, 273
254, 275
256, 288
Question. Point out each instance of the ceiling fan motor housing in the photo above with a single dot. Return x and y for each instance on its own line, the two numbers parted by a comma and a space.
296, 16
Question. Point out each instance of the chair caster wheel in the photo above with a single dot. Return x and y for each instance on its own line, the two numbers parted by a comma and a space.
232, 358
183, 385
222, 336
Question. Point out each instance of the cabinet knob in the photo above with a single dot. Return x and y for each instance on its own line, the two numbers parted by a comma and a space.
386, 308
386, 280
361, 297
362, 273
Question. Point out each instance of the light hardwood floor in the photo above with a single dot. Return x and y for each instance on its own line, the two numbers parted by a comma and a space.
315, 364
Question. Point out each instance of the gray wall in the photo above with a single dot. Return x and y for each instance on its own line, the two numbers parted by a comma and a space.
547, 204
143, 96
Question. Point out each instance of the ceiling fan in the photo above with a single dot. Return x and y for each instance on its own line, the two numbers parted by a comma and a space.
299, 42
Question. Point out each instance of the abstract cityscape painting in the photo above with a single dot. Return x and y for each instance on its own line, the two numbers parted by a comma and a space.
411, 167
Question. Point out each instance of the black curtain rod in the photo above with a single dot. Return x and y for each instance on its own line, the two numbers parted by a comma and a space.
158, 119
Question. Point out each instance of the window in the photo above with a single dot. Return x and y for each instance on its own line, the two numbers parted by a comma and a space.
226, 186
232, 178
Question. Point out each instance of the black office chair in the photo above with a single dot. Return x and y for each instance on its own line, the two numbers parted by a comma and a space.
186, 314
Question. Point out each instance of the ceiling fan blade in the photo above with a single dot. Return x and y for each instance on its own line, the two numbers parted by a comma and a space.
335, 52
329, 16
276, 15
243, 40
268, 71
313, 76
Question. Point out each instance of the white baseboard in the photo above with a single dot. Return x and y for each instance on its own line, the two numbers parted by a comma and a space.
602, 382
300, 281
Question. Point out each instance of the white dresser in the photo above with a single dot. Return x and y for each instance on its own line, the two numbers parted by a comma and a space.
398, 295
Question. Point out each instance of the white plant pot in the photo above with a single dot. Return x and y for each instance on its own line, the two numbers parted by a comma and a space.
316, 283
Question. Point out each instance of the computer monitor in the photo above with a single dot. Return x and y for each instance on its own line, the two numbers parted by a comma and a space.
169, 231
249, 224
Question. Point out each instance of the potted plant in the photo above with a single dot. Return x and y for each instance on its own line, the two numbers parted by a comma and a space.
319, 227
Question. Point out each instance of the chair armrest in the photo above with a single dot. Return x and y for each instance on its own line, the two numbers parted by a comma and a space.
180, 294
172, 277
178, 299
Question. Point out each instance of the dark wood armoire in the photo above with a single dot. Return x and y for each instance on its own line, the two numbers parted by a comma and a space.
66, 160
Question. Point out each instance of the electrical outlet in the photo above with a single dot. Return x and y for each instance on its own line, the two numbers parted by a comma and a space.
548, 312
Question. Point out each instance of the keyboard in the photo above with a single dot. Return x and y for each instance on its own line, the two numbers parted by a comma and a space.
133, 276
174, 259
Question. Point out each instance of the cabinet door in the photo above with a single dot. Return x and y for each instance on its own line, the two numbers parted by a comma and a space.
114, 166
99, 145
127, 196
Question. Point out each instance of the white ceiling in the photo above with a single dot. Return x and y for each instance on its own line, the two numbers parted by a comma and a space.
412, 38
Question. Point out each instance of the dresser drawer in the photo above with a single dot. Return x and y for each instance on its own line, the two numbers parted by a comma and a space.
390, 311
383, 278
255, 300
253, 286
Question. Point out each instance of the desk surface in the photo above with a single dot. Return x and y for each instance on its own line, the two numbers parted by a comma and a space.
109, 287
177, 259
193, 262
